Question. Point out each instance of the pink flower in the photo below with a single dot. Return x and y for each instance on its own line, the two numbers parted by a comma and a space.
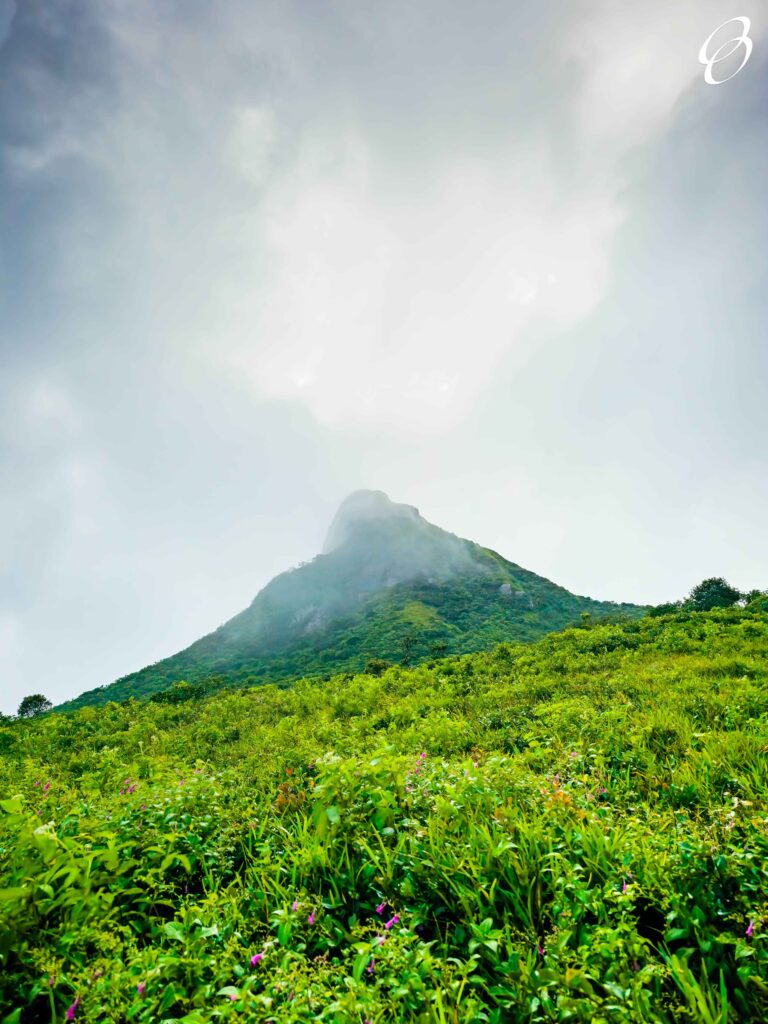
371, 966
541, 950
311, 918
295, 905
46, 787
392, 921
381, 939
380, 908
255, 958
72, 1008
624, 885
37, 783
750, 929
141, 988
233, 997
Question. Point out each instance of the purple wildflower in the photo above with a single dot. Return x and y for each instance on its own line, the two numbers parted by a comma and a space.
371, 966
750, 929
37, 783
233, 997
255, 958
46, 787
392, 921
624, 885
295, 905
380, 908
311, 918
72, 1008
51, 981
541, 950
141, 988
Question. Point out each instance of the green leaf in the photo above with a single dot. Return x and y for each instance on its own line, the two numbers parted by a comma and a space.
361, 962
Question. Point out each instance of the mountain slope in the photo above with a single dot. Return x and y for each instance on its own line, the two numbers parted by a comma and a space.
577, 824
388, 585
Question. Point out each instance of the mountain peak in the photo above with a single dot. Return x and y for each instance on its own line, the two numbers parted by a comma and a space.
361, 508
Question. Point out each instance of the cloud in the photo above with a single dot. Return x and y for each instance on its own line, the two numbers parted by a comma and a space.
387, 310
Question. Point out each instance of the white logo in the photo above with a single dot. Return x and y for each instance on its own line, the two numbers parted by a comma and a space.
735, 42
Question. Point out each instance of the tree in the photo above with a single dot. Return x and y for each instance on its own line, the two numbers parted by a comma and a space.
33, 705
668, 608
713, 593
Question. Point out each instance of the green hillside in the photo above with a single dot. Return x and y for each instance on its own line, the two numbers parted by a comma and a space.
388, 586
570, 830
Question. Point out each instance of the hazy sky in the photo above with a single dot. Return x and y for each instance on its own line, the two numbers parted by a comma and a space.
505, 261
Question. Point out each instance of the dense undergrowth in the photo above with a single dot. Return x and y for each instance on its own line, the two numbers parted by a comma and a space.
574, 830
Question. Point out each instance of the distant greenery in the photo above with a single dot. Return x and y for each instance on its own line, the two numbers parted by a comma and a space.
406, 623
33, 705
570, 830
714, 592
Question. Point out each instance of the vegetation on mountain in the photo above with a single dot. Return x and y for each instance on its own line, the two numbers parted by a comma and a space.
570, 830
388, 586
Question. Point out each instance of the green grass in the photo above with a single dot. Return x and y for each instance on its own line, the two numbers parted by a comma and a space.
571, 830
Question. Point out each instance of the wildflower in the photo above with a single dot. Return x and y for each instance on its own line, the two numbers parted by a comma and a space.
380, 908
72, 1008
295, 905
141, 988
392, 921
624, 885
37, 783
422, 756
233, 997
46, 787
371, 966
143, 807
255, 958
51, 981
541, 950
750, 929
311, 918
381, 939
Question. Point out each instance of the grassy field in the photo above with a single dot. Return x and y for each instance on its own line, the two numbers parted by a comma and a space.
572, 830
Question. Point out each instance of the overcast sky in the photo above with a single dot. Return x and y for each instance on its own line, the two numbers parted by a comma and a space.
505, 261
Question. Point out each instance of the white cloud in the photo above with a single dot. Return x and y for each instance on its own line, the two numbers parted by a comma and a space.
388, 309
